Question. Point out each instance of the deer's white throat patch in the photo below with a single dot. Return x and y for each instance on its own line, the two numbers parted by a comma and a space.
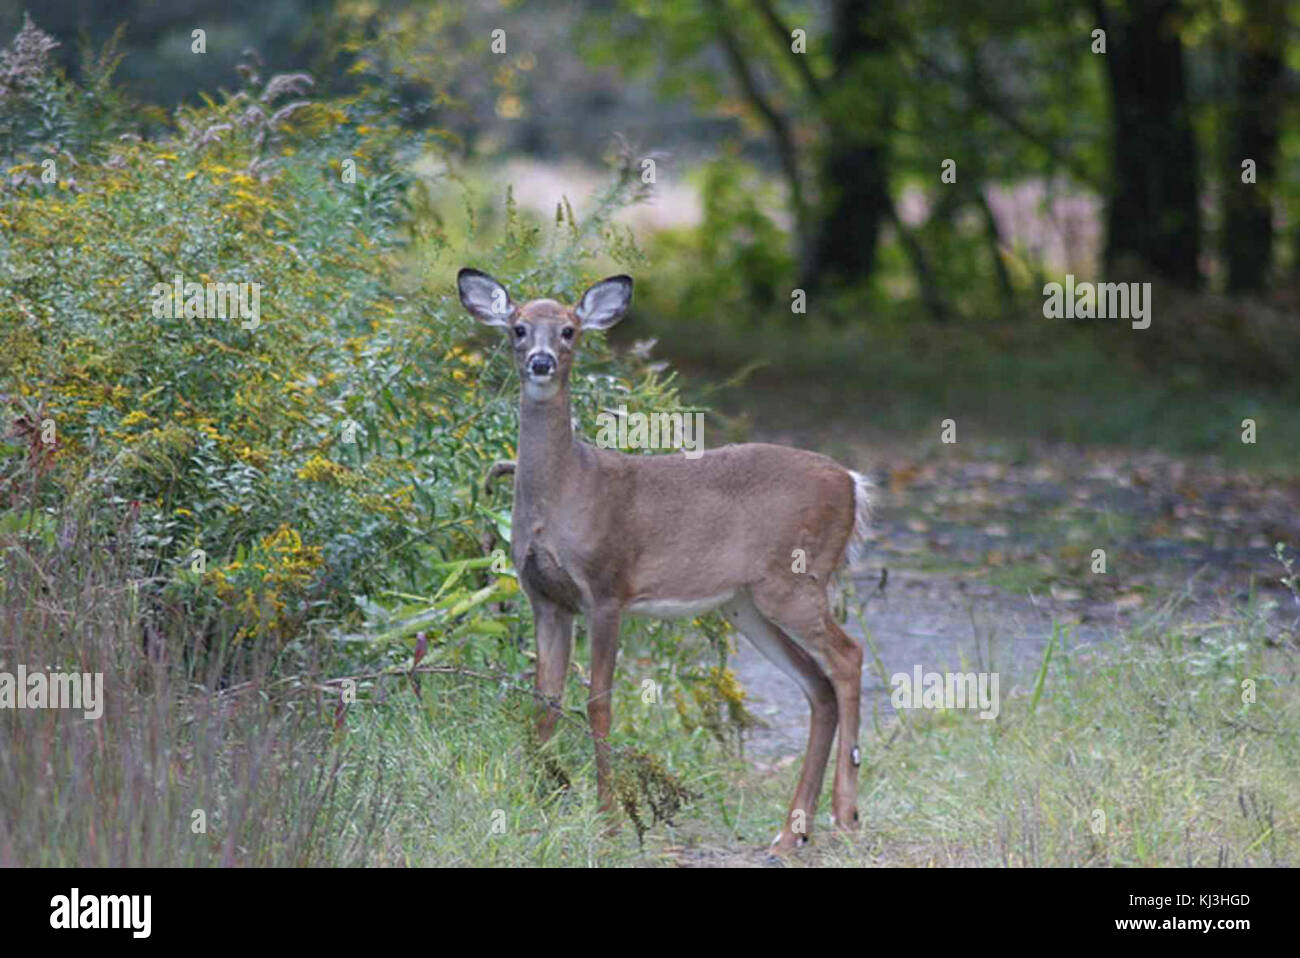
541, 388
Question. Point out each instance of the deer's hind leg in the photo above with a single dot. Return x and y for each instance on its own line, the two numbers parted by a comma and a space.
794, 661
805, 612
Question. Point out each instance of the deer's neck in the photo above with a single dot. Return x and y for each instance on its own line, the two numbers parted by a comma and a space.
546, 452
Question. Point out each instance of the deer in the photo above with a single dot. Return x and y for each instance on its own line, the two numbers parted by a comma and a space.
606, 534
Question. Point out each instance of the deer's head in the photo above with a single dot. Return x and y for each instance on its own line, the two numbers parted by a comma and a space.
542, 331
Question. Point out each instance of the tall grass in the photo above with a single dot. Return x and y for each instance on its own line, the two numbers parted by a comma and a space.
238, 760
174, 772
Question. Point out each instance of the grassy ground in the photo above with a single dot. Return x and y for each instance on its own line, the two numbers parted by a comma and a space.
1137, 753
1149, 731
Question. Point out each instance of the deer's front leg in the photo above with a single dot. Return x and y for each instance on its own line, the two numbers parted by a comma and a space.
602, 625
554, 629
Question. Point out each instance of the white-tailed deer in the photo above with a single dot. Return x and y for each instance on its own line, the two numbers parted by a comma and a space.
605, 533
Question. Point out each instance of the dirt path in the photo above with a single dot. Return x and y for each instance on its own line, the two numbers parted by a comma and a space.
985, 555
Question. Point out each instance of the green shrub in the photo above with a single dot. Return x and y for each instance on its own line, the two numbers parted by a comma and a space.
269, 470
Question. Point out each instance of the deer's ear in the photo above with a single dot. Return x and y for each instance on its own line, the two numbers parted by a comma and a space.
485, 298
605, 303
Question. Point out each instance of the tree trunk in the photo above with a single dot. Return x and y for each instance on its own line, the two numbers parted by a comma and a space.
1248, 212
1152, 219
852, 181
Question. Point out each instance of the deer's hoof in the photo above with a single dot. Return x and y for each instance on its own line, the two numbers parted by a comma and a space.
786, 842
846, 823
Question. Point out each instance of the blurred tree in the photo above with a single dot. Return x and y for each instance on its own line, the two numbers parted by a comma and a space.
853, 168
803, 82
1254, 135
856, 101
1153, 218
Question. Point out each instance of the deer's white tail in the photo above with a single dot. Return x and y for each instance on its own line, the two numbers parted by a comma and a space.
862, 487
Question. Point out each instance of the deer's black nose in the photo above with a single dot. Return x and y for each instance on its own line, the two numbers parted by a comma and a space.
541, 365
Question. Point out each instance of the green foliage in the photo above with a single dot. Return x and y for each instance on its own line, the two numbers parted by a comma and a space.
268, 470
43, 113
736, 260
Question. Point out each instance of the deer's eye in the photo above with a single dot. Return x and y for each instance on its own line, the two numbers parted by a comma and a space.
566, 333
521, 331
